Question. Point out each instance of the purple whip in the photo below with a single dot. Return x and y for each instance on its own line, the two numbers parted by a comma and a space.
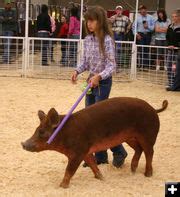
68, 115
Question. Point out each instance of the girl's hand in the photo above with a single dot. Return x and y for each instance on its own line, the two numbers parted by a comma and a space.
74, 77
95, 80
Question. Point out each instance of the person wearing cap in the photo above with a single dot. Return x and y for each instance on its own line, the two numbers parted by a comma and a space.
120, 24
9, 28
145, 26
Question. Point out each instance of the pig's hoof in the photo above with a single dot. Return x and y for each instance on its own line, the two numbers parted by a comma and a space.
64, 185
99, 176
148, 174
133, 169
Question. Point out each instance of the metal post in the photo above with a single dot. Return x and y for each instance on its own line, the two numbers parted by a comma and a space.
81, 23
26, 55
135, 20
134, 47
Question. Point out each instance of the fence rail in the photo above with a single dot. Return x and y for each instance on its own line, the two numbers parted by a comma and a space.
57, 58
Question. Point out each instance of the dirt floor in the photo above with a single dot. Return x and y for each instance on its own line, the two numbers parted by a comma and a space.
39, 174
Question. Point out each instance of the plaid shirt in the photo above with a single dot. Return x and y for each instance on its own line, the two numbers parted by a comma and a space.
120, 23
94, 61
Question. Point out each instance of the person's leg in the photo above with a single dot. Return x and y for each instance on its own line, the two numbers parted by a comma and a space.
89, 100
169, 68
176, 84
140, 52
147, 41
45, 46
101, 93
7, 46
51, 49
117, 50
63, 52
119, 154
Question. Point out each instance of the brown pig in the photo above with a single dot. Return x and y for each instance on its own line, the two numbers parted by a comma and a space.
98, 127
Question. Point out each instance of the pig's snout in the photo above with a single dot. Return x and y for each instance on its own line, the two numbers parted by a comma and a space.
28, 146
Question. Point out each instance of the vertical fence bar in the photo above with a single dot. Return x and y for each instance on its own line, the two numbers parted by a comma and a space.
26, 61
133, 74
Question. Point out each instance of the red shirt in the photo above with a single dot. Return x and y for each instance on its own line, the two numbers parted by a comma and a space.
63, 31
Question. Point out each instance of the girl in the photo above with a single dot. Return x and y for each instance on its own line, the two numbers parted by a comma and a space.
99, 60
161, 27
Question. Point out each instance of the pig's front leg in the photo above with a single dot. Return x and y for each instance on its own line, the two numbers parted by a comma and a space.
90, 160
73, 164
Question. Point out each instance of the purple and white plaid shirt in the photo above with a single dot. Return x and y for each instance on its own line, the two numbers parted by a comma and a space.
94, 61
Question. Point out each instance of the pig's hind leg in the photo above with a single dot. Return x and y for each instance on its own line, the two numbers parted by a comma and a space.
138, 151
90, 160
149, 156
73, 164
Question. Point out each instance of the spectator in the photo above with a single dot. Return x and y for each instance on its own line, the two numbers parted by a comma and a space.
44, 31
173, 41
63, 33
121, 24
74, 33
144, 26
161, 27
9, 28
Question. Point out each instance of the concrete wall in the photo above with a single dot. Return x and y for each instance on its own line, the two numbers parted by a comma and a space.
172, 5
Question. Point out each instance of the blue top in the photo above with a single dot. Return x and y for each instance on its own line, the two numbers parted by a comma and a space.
158, 35
140, 28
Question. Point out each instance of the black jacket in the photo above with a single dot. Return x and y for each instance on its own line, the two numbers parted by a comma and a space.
44, 22
173, 36
8, 20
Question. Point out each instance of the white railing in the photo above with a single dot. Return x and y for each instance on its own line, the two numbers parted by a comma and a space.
12, 51
153, 64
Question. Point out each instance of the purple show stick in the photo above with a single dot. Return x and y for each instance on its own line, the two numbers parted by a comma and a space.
68, 115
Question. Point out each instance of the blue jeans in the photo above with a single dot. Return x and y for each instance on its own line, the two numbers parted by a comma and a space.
44, 47
73, 50
171, 58
7, 46
99, 94
176, 83
144, 51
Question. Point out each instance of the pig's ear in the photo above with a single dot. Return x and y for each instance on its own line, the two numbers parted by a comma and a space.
41, 115
53, 117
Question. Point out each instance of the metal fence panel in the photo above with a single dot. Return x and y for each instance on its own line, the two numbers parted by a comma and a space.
11, 56
155, 64
57, 58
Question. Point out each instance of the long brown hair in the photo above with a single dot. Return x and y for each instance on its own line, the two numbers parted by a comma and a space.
98, 13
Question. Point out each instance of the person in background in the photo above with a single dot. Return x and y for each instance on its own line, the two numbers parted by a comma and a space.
144, 26
74, 33
99, 59
63, 33
161, 26
121, 24
173, 42
44, 31
9, 28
